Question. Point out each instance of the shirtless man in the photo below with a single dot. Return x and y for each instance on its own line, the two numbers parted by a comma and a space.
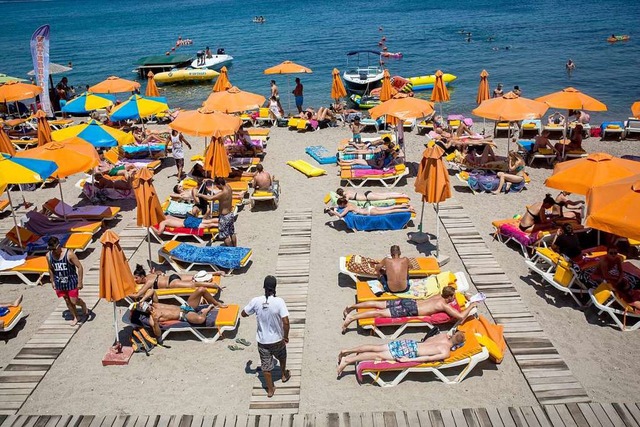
224, 196
405, 307
369, 196
189, 312
393, 272
344, 208
435, 348
262, 180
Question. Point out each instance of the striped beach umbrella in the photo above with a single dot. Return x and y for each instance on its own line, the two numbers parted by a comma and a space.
88, 102
139, 107
95, 133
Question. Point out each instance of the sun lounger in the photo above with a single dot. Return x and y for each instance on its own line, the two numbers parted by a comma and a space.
507, 230
586, 129
453, 121
426, 267
510, 128
264, 117
201, 235
113, 156
554, 129
562, 278
177, 294
575, 154
386, 222
32, 243
4, 204
219, 320
425, 126
39, 223
388, 177
367, 123
613, 130
409, 124
254, 132
62, 210
265, 196
10, 319
631, 126
606, 300
92, 192
458, 280
184, 257
468, 356
32, 266
531, 127
302, 125
143, 151
24, 143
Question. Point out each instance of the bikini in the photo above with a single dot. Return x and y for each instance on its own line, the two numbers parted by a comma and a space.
536, 220
172, 277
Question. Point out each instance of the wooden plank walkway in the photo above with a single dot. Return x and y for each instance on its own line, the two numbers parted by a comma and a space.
292, 271
23, 374
542, 366
572, 414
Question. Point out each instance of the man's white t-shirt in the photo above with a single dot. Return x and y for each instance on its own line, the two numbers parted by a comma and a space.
269, 314
177, 149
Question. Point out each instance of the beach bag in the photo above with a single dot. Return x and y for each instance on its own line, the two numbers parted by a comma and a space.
596, 132
282, 122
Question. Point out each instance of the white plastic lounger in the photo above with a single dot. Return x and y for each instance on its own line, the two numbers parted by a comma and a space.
606, 301
264, 196
631, 126
11, 319
531, 126
182, 266
388, 181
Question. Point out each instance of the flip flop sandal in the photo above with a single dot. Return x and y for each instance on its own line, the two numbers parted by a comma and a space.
243, 342
140, 338
235, 347
148, 337
134, 346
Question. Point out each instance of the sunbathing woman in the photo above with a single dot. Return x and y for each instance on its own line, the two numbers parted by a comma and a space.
368, 195
189, 222
464, 128
344, 208
565, 207
159, 280
383, 160
556, 119
148, 137
535, 218
434, 348
515, 174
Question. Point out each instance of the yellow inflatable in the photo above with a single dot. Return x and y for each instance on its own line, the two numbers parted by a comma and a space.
306, 168
187, 75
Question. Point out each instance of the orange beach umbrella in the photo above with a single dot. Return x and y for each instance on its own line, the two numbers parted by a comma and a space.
440, 92
483, 87
403, 108
205, 122
44, 130
572, 99
16, 91
635, 109
233, 100
387, 91
5, 143
216, 160
152, 88
597, 169
114, 84
222, 83
510, 107
337, 87
614, 207
149, 211
288, 67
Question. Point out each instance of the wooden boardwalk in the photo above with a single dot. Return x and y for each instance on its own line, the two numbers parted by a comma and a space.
544, 369
23, 374
569, 415
292, 271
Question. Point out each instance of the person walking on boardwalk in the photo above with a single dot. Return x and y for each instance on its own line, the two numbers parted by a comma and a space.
66, 275
273, 331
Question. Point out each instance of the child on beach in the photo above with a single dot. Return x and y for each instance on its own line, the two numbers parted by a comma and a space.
356, 128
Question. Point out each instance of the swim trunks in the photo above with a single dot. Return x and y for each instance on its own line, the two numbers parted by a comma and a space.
268, 352
299, 100
226, 227
403, 348
403, 307
385, 285
192, 222
114, 171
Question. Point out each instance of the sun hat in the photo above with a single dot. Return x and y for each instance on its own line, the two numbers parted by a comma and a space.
202, 276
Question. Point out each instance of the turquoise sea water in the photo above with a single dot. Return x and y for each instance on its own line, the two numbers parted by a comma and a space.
103, 38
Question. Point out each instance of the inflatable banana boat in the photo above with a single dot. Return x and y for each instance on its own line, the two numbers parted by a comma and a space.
426, 82
185, 76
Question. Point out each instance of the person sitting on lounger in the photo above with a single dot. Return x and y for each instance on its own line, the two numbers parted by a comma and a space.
393, 273
609, 268
117, 184
15, 303
189, 221
189, 312
368, 195
556, 119
406, 307
243, 136
515, 174
535, 217
574, 144
344, 207
435, 348
464, 128
375, 146
542, 142
262, 180
159, 280
565, 207
566, 243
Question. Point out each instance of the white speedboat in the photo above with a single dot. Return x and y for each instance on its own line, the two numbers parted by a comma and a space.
361, 79
215, 62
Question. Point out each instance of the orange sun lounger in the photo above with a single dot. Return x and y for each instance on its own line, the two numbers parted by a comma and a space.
34, 266
78, 242
11, 319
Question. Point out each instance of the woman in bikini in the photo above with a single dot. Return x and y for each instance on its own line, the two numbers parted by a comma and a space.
369, 196
567, 208
344, 208
535, 217
157, 280
515, 175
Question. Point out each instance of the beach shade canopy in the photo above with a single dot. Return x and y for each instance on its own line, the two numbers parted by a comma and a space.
72, 156
23, 170
5, 143
44, 130
387, 91
115, 84
510, 107
337, 87
288, 67
403, 108
116, 279
4, 79
635, 109
87, 102
440, 92
579, 175
204, 122
149, 211
152, 88
138, 107
614, 207
233, 100
572, 99
95, 133
216, 159
483, 87
16, 91
54, 69
222, 83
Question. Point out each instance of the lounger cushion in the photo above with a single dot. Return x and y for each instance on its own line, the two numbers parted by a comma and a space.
36, 264
11, 315
40, 224
391, 221
261, 193
222, 256
189, 231
513, 231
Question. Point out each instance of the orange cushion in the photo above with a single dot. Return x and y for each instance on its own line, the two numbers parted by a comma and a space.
228, 316
11, 315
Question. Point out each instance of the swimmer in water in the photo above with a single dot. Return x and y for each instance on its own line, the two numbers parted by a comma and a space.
570, 66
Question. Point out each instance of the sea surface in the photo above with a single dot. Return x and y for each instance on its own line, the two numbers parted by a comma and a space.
106, 37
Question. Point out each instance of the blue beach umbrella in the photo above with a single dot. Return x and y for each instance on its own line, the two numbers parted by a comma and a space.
139, 107
88, 102
95, 133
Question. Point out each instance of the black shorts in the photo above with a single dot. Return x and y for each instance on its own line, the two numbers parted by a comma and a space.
268, 352
403, 307
179, 163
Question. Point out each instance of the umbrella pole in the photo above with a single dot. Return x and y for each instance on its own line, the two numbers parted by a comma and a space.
289, 95
15, 220
437, 230
64, 214
115, 323
421, 217
149, 245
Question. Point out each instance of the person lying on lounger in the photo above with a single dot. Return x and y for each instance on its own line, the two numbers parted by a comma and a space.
567, 208
117, 184
189, 312
384, 159
369, 196
189, 221
435, 348
344, 207
105, 167
182, 194
405, 307
148, 137
15, 303
159, 280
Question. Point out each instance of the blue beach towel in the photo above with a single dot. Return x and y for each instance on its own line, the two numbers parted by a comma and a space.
41, 245
321, 154
392, 221
135, 151
221, 256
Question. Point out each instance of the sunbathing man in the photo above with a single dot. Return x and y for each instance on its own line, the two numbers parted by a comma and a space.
158, 280
433, 349
15, 303
117, 184
224, 196
262, 180
190, 221
369, 196
393, 273
384, 159
405, 307
189, 312
542, 142
182, 194
344, 207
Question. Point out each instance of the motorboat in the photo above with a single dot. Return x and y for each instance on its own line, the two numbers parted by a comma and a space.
213, 62
159, 63
187, 75
361, 79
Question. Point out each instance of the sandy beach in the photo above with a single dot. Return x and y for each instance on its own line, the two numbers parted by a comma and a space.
210, 378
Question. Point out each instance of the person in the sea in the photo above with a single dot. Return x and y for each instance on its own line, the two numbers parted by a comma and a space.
393, 273
407, 307
160, 280
369, 196
515, 174
435, 348
298, 93
570, 66
535, 217
517, 90
344, 207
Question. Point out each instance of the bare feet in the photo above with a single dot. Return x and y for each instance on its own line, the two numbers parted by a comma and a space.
18, 301
74, 322
346, 323
341, 366
345, 312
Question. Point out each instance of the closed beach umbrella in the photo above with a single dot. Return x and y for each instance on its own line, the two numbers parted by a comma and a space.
337, 87
95, 133
204, 122
4, 79
116, 279
387, 91
433, 184
635, 109
152, 88
440, 93
138, 107
44, 130
483, 87
16, 91
222, 83
88, 102
5, 143
115, 84
288, 67
233, 100
614, 207
216, 160
597, 169
403, 108
149, 211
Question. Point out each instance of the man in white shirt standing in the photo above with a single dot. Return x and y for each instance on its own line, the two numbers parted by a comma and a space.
273, 331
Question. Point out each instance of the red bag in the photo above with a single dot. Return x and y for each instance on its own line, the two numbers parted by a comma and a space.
596, 132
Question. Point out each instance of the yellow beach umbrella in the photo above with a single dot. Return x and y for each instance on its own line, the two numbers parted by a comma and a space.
95, 133
337, 87
222, 83
138, 107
